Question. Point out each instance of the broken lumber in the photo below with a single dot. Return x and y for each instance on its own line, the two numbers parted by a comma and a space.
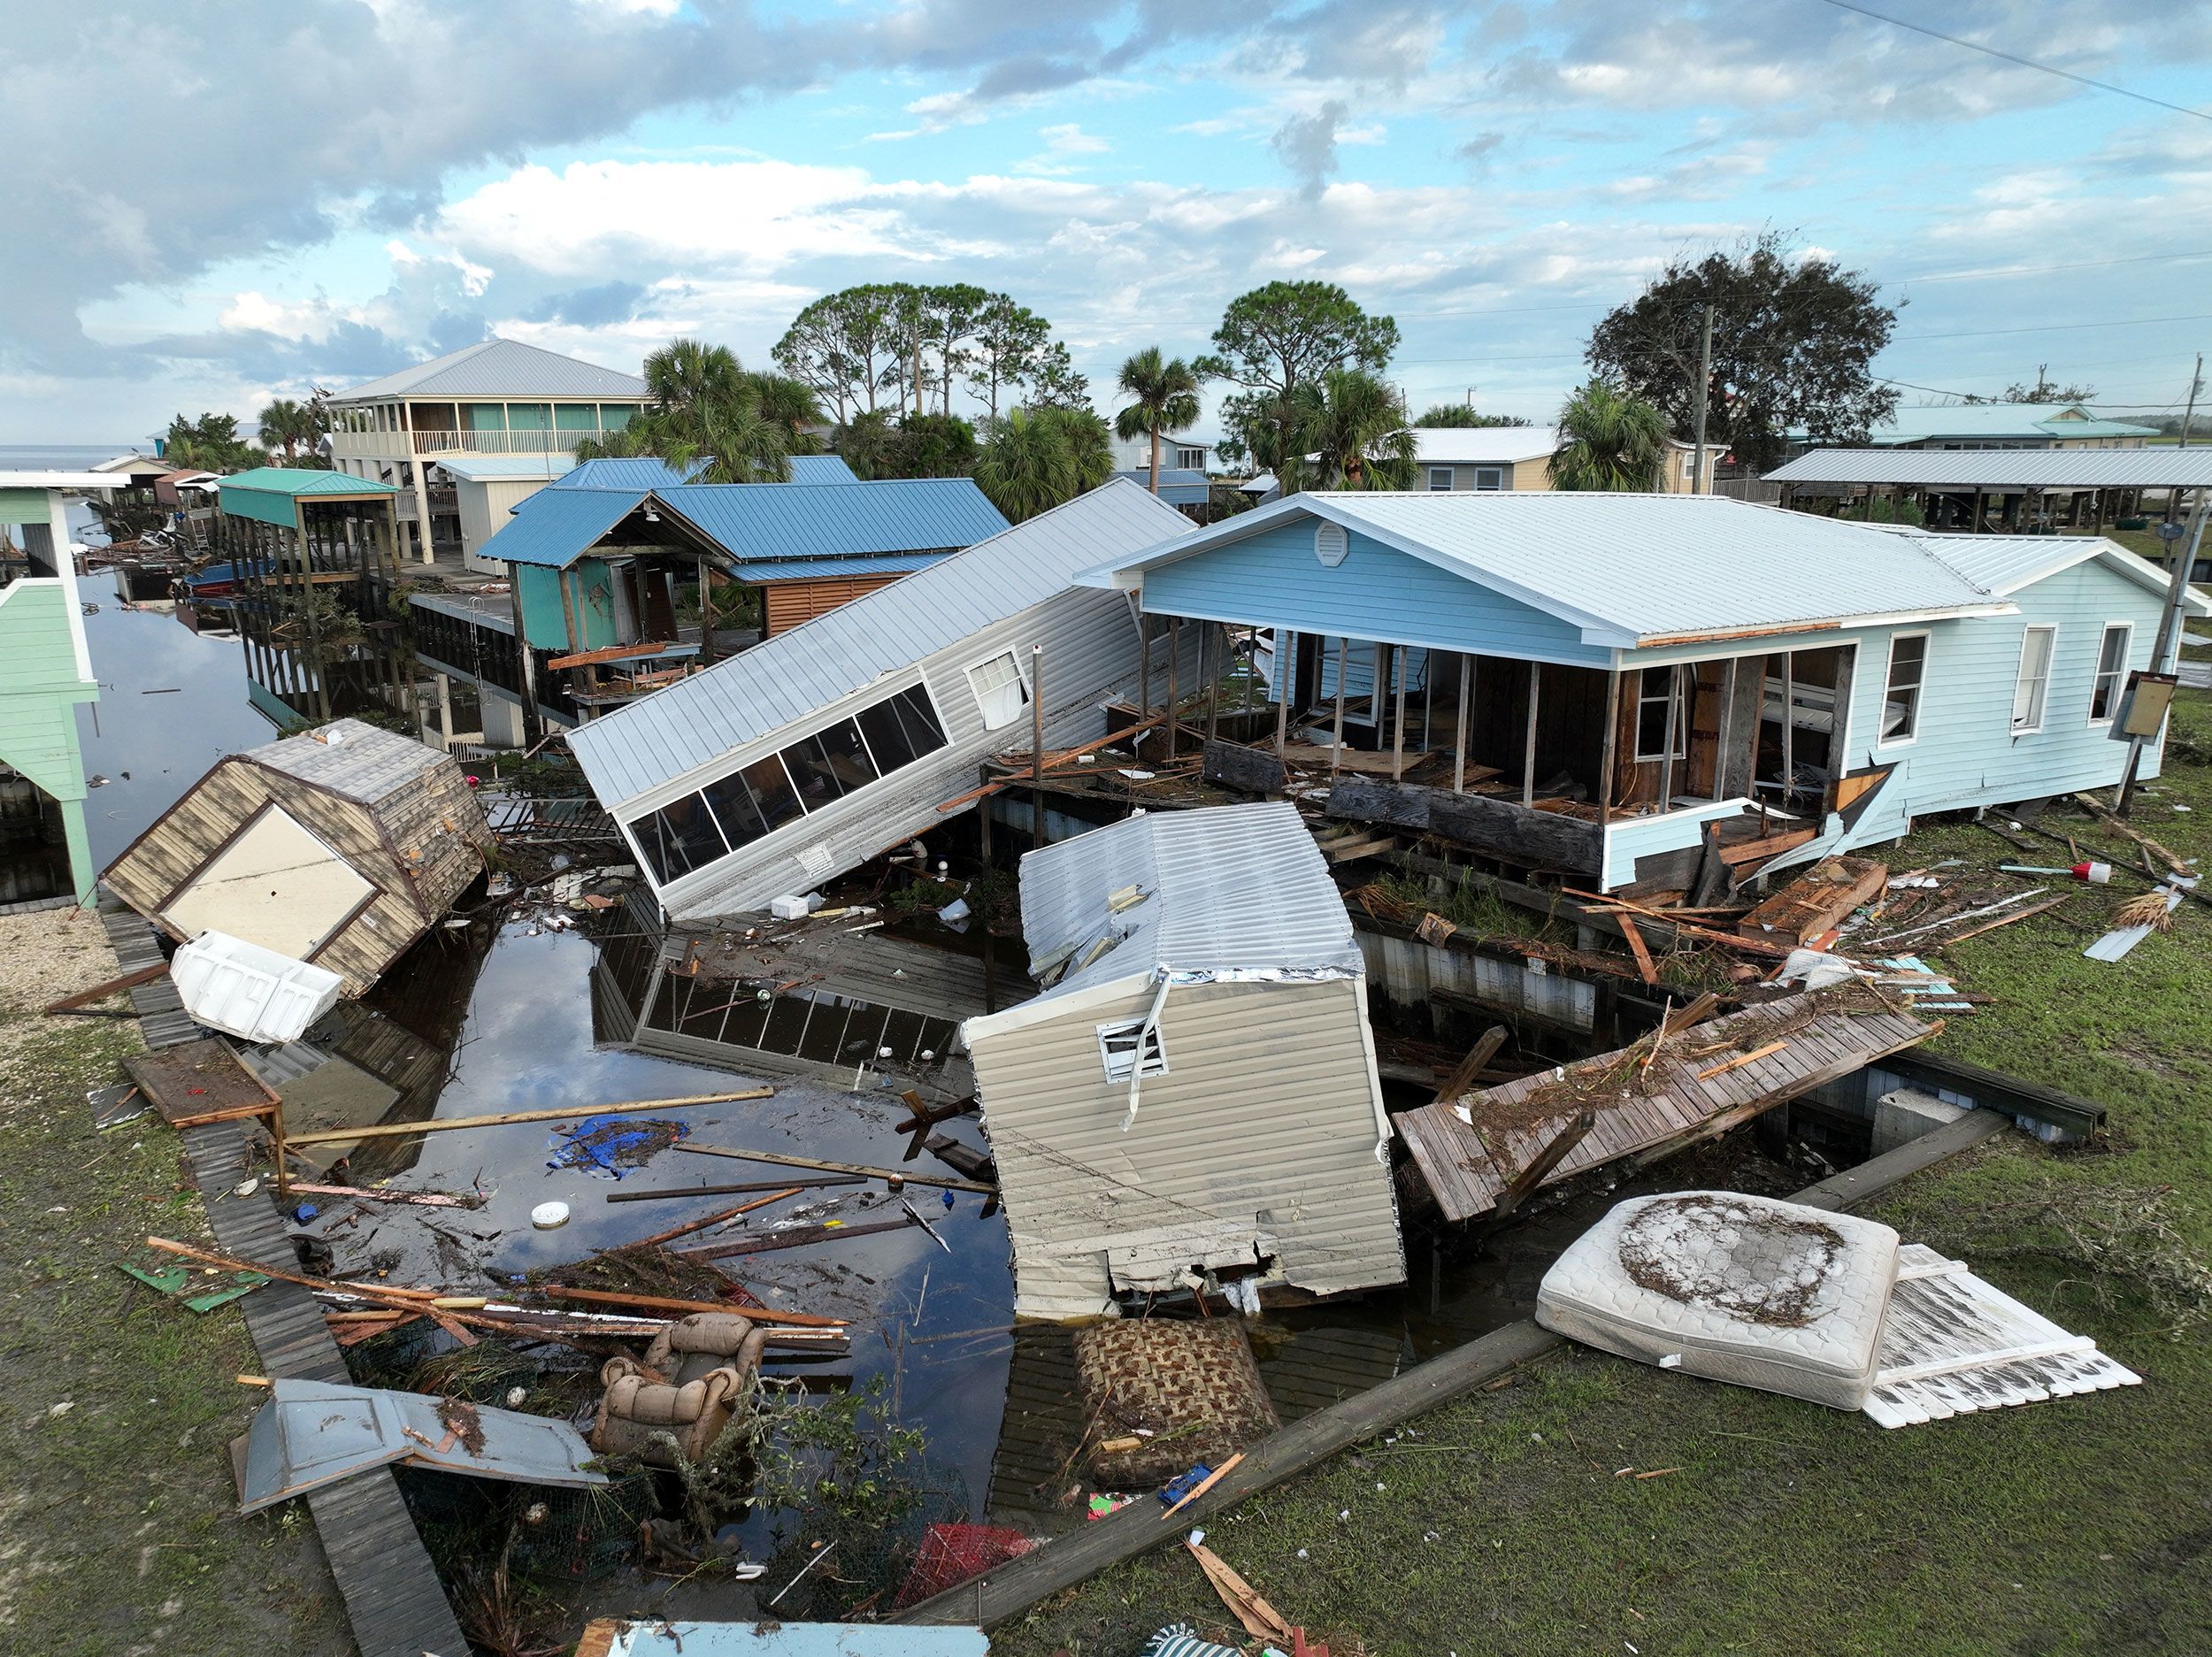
689, 1226
685, 1309
1637, 948
722, 1190
1540, 1165
1463, 1079
797, 1236
565, 1113
895, 1177
373, 1193
1614, 905
100, 991
1818, 901
1052, 761
1739, 1060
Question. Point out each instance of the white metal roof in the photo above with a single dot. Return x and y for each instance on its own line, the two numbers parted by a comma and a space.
1484, 445
2032, 422
784, 678
2003, 564
1226, 890
485, 468
502, 368
2157, 467
102, 481
1631, 569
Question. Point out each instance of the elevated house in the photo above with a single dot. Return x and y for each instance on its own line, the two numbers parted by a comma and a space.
1177, 454
1491, 457
2005, 488
1618, 688
340, 846
497, 397
802, 757
45, 673
2000, 426
1193, 1094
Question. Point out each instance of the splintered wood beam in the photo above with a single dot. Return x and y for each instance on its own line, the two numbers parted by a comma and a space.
1463, 1079
102, 990
565, 1113
894, 1176
1645, 966
1540, 1165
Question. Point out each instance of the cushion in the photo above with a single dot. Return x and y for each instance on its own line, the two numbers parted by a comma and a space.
1732, 1287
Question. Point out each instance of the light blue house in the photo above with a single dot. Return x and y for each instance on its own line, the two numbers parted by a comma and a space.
1615, 687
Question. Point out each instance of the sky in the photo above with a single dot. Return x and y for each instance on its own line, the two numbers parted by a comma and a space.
213, 203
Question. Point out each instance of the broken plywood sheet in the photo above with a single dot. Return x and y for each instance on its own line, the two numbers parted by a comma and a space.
199, 1082
1705, 1080
1953, 1344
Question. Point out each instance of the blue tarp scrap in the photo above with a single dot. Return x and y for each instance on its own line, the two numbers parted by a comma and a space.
614, 1144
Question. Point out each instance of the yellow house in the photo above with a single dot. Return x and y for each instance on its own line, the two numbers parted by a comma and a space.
1519, 457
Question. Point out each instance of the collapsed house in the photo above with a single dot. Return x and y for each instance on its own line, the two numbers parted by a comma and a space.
822, 747
1624, 688
1195, 1091
339, 846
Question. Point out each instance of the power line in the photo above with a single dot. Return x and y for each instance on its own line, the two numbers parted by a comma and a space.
2054, 327
2011, 58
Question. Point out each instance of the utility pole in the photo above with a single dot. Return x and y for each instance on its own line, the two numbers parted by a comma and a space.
2169, 631
2189, 414
1704, 382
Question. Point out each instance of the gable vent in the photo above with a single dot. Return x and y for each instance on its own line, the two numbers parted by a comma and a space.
1331, 543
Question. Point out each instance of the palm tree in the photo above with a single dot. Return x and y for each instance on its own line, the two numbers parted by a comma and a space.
1090, 445
790, 404
285, 424
1166, 394
705, 405
1609, 440
1028, 465
1353, 426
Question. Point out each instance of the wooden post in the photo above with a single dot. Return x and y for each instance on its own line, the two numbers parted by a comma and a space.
1212, 641
1336, 738
1608, 755
1037, 741
1459, 735
1174, 660
533, 726
1789, 725
1144, 665
1286, 681
1528, 747
568, 609
1727, 727
706, 614
1666, 748
1395, 655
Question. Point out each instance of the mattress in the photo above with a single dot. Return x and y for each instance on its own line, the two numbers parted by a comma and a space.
1732, 1287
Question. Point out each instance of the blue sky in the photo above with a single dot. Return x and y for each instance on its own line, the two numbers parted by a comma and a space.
269, 196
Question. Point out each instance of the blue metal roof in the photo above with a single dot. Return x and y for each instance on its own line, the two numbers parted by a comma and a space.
820, 568
645, 471
1179, 487
807, 521
556, 527
822, 469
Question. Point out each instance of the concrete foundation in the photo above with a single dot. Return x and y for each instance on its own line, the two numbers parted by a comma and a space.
1904, 1116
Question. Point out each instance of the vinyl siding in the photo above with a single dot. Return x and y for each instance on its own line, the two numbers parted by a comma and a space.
1966, 755
1219, 1136
40, 688
1274, 578
1090, 658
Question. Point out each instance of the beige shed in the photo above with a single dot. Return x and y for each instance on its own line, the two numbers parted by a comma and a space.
1195, 1093
341, 846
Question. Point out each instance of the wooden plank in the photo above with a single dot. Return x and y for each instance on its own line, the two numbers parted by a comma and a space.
685, 1309
1821, 898
1637, 948
565, 1113
101, 992
1995, 1091
1462, 1079
200, 1082
1248, 769
895, 1177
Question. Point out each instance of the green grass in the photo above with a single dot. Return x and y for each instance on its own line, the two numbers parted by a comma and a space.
1499, 1524
118, 1530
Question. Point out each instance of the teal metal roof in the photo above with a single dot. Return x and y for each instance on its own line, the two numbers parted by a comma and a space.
822, 469
556, 526
824, 569
270, 494
807, 521
643, 472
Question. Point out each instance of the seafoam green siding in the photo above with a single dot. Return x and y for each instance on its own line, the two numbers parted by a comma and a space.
41, 683
24, 506
1274, 578
546, 622
259, 505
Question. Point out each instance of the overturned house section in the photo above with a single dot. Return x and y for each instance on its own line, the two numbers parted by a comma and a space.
821, 746
340, 846
1194, 1091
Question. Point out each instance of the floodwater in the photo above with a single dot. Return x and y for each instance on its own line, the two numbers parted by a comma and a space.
506, 1008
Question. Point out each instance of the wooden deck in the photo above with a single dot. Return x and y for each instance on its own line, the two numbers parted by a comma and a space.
394, 1601
1640, 1114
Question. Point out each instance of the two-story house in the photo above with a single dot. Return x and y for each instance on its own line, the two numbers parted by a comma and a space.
500, 397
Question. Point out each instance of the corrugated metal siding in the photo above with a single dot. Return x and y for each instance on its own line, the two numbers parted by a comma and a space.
1265, 1117
1611, 568
502, 368
1090, 645
1376, 592
2159, 468
651, 747
791, 602
811, 520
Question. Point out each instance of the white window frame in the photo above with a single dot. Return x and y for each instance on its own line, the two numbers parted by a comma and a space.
1444, 472
2118, 675
2042, 705
1919, 689
1495, 473
1021, 681
1137, 1037
1681, 685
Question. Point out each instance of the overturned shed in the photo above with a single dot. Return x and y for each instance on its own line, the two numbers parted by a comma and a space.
1194, 1091
339, 846
821, 746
